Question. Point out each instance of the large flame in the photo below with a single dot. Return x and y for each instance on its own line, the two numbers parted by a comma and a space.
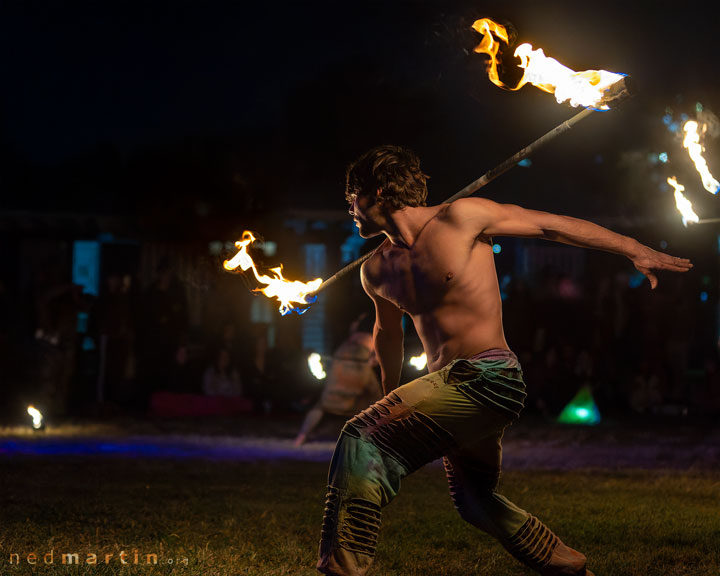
692, 143
584, 88
684, 205
287, 292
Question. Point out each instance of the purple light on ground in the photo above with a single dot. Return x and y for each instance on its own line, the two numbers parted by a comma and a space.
219, 448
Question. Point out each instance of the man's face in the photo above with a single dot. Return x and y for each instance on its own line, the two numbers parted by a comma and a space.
366, 212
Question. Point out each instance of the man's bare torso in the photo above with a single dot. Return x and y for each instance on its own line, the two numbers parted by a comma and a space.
446, 282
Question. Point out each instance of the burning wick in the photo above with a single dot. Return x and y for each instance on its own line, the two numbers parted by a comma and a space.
419, 362
37, 418
691, 143
285, 291
315, 364
586, 88
611, 91
684, 205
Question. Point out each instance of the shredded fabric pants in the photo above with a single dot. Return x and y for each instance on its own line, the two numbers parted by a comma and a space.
459, 413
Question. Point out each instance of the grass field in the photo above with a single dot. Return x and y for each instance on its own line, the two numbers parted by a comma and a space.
227, 518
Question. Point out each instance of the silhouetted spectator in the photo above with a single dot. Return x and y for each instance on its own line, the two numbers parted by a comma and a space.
162, 331
183, 377
4, 336
645, 395
56, 334
222, 378
230, 340
115, 324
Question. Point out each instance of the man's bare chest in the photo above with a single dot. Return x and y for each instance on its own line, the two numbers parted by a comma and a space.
420, 276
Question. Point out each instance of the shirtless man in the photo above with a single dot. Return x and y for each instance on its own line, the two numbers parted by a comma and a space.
437, 266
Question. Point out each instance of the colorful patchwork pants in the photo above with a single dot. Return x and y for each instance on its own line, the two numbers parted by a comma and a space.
458, 413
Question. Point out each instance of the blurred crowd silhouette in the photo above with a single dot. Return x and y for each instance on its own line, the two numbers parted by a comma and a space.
639, 352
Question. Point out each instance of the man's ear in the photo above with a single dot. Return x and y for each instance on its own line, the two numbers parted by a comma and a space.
378, 196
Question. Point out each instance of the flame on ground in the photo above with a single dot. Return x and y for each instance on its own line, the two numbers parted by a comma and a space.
585, 88
37, 417
692, 143
684, 205
287, 292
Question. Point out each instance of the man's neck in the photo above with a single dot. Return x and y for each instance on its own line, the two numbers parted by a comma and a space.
405, 225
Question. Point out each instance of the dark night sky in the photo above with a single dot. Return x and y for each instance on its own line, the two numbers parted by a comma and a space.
108, 104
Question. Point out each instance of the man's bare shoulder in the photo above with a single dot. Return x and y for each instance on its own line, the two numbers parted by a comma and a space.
367, 268
370, 270
470, 214
465, 208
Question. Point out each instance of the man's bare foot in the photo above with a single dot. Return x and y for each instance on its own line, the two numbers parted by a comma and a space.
300, 440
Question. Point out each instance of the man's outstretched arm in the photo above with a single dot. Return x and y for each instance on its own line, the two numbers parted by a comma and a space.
489, 218
387, 336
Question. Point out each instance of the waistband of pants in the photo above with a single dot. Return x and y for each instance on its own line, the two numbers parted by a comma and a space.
497, 354
493, 378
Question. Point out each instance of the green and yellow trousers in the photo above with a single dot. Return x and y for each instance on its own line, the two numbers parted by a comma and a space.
459, 414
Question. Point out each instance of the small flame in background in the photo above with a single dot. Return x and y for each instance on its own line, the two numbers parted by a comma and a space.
691, 143
692, 134
37, 417
287, 292
419, 362
684, 205
316, 367
584, 88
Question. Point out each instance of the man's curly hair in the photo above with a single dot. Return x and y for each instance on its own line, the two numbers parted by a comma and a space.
393, 169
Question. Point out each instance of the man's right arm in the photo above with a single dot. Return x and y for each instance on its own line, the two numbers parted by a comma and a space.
387, 336
488, 218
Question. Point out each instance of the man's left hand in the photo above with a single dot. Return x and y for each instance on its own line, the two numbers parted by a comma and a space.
646, 260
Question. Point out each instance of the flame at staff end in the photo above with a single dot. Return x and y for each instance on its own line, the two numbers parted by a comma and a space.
488, 45
691, 143
287, 292
584, 88
684, 205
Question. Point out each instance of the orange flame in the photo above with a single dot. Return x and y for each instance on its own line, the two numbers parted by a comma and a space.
488, 45
584, 88
285, 291
683, 205
691, 143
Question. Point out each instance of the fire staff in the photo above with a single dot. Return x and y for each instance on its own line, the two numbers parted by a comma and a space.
436, 265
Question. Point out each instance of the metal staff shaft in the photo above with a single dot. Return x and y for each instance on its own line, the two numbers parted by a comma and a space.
473, 187
500, 169
701, 221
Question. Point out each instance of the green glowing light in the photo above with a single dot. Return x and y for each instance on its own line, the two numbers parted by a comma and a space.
581, 409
